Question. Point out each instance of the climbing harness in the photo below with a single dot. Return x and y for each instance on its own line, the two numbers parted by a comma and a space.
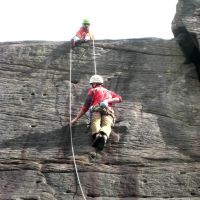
104, 111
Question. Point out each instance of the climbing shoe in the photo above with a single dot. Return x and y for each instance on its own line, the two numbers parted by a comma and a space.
96, 140
101, 142
94, 135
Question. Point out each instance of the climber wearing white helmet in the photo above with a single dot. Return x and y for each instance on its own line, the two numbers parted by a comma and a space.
83, 34
99, 101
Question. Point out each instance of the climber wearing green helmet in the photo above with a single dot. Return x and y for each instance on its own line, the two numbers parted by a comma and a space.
83, 34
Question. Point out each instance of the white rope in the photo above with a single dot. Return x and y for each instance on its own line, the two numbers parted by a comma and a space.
70, 126
94, 56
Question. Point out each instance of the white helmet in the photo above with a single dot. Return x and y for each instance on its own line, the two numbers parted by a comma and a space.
96, 79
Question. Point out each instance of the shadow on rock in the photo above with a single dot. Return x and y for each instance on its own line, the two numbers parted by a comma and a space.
58, 138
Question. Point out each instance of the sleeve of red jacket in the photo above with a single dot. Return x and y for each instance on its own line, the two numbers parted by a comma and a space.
115, 95
88, 101
79, 33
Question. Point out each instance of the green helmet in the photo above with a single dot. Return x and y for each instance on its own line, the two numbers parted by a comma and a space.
86, 21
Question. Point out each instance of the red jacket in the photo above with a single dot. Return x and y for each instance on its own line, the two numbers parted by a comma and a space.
97, 95
83, 32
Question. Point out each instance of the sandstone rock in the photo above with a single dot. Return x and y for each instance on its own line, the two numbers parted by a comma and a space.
185, 27
153, 152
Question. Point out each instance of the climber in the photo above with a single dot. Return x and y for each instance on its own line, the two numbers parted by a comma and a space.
99, 103
83, 34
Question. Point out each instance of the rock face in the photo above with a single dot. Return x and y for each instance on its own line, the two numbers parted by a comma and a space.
186, 29
154, 149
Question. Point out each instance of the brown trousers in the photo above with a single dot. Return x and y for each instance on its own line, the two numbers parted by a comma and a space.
101, 122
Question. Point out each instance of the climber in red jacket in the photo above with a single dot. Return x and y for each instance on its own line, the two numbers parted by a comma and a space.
99, 102
83, 34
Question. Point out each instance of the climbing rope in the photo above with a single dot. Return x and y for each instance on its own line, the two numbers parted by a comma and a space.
94, 56
70, 115
70, 126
